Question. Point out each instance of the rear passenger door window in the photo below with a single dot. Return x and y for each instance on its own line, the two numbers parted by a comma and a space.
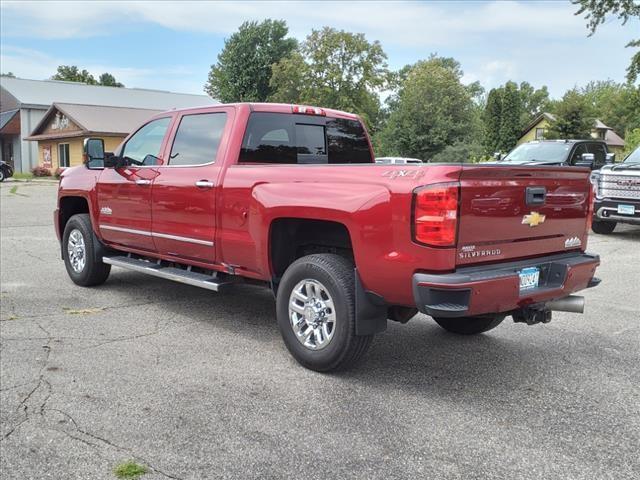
197, 139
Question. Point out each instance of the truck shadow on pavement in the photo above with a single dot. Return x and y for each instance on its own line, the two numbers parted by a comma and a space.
418, 356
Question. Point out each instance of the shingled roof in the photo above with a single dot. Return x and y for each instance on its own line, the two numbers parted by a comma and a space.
93, 119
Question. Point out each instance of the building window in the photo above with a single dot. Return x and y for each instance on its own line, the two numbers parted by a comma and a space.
539, 133
63, 155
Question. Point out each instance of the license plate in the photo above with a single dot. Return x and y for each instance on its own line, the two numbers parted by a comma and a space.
627, 209
529, 278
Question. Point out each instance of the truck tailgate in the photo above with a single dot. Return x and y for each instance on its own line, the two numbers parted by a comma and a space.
520, 212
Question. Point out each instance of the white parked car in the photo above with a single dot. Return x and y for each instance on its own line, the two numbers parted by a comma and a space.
397, 160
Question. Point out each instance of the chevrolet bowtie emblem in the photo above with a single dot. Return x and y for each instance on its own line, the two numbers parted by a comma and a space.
533, 219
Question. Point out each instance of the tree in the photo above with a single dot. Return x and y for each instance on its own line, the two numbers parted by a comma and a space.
491, 117
71, 73
244, 68
8, 75
108, 80
433, 110
596, 11
534, 101
574, 118
616, 104
631, 142
510, 117
336, 69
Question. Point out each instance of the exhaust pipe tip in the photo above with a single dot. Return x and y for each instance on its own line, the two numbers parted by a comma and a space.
571, 304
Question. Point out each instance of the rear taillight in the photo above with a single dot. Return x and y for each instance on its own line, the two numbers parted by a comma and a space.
435, 214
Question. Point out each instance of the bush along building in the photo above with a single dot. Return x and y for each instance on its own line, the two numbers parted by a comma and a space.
24, 104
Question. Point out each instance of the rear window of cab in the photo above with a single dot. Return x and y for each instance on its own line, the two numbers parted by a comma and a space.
280, 138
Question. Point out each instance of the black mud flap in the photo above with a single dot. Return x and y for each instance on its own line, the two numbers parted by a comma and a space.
371, 310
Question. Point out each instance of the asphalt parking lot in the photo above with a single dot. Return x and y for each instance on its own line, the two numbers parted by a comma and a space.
196, 385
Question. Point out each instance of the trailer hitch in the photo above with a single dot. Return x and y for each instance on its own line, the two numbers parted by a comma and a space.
541, 312
532, 315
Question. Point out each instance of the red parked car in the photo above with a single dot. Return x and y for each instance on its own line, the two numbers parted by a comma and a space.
290, 197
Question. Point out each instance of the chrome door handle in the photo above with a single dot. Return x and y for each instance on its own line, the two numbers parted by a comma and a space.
142, 181
204, 184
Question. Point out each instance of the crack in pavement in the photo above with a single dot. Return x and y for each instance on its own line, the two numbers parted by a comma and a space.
106, 441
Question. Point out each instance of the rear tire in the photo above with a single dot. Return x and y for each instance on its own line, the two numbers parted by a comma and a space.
470, 325
602, 227
78, 251
2, 176
316, 313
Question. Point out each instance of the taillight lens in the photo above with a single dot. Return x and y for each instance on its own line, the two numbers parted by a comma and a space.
435, 215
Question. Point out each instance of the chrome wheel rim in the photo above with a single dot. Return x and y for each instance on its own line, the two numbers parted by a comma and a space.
312, 314
76, 250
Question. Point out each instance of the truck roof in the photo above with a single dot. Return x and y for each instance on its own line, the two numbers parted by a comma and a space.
273, 108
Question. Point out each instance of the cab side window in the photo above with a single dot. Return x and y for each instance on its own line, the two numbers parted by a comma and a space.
144, 146
599, 152
576, 156
197, 139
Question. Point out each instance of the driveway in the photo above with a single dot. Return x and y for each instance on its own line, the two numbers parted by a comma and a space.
193, 384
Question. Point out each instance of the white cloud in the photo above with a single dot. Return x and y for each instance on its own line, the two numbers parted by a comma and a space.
393, 23
492, 73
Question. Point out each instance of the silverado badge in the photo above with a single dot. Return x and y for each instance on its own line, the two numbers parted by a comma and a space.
533, 219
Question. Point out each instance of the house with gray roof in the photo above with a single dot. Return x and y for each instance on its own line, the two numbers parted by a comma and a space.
24, 103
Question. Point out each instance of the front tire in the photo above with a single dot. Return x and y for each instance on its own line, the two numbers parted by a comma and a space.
470, 325
316, 313
78, 251
2, 175
603, 228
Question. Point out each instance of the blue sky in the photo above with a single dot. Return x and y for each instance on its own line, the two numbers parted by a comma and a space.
170, 45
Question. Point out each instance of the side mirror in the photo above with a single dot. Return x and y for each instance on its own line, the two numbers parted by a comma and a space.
586, 160
93, 150
497, 156
610, 158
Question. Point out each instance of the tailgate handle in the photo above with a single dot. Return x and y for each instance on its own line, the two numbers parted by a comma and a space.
536, 195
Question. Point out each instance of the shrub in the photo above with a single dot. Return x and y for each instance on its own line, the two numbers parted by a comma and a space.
41, 171
58, 172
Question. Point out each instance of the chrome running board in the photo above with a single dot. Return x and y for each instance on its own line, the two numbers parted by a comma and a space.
158, 269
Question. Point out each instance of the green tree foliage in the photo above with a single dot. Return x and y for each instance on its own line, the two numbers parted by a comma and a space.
244, 68
71, 73
334, 69
109, 80
492, 117
631, 142
508, 111
596, 12
534, 101
8, 75
574, 117
616, 104
510, 117
432, 110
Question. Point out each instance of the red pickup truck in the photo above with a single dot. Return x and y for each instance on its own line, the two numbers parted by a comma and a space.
290, 197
